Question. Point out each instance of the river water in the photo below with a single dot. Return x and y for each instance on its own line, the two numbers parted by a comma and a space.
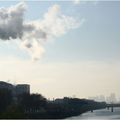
103, 114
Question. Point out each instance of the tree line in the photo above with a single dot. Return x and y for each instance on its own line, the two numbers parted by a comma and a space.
37, 106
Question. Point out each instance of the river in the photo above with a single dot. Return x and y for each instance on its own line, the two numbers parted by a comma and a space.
103, 114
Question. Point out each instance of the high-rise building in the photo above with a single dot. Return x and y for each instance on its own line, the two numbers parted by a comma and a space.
22, 88
15, 89
112, 98
100, 98
5, 85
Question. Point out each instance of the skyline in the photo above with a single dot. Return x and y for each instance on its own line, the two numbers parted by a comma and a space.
81, 60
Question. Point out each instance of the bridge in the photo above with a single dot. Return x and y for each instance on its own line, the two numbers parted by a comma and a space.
112, 106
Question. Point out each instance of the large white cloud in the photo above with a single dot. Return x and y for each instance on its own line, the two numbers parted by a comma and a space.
34, 34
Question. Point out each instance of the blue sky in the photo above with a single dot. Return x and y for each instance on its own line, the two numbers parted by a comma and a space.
97, 38
90, 50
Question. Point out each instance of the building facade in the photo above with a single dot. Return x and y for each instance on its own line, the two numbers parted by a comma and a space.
22, 88
15, 89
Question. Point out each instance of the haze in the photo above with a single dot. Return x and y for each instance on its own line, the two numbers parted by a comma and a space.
61, 48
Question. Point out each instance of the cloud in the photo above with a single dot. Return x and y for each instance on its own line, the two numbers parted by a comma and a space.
34, 34
11, 22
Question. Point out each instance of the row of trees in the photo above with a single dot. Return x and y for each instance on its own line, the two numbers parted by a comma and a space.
37, 106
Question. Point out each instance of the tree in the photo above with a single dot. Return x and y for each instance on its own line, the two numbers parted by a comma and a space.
33, 102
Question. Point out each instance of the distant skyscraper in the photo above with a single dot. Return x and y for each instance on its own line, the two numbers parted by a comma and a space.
111, 98
100, 98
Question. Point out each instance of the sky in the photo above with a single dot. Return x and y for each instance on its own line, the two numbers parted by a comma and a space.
61, 48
